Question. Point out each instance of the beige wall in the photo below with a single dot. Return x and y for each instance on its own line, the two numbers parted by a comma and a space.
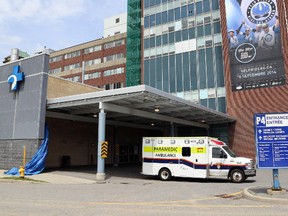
58, 87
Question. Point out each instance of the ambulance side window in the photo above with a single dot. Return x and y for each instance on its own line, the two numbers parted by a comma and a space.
186, 151
218, 153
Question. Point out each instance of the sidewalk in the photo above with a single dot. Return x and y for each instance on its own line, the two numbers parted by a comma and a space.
259, 193
50, 177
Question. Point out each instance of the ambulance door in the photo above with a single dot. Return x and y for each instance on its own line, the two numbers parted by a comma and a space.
200, 159
147, 156
186, 162
219, 165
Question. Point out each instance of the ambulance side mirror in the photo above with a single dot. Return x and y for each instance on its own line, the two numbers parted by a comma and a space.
223, 154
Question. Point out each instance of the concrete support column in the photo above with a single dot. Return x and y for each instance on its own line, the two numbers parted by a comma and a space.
100, 176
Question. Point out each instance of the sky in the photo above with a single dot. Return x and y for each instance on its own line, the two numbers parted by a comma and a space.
32, 24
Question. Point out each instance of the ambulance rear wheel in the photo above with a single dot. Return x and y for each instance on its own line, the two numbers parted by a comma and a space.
165, 174
237, 176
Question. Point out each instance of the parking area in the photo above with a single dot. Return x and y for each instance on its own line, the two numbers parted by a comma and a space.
126, 191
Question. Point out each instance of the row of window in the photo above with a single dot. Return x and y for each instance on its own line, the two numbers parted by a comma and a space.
204, 4
114, 44
188, 71
113, 57
93, 62
92, 49
72, 54
106, 86
88, 50
113, 71
114, 85
72, 66
97, 74
74, 79
55, 59
183, 35
88, 63
177, 14
92, 75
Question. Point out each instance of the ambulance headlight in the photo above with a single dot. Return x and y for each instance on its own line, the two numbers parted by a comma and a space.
249, 165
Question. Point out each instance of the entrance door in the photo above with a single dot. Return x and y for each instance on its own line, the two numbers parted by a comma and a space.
129, 154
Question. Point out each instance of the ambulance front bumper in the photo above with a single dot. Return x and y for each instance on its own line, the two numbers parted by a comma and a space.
250, 172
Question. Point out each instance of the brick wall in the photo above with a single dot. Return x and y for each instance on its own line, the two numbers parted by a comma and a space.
101, 67
243, 104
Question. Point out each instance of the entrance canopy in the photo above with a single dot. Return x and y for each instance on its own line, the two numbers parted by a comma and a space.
139, 106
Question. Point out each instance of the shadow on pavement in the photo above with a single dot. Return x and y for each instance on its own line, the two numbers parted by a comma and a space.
129, 171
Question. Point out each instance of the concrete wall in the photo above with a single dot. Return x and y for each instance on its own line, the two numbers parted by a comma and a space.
11, 152
111, 26
22, 112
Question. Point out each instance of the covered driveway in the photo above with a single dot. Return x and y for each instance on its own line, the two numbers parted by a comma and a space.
140, 107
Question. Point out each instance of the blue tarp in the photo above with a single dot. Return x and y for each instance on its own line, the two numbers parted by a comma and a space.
37, 163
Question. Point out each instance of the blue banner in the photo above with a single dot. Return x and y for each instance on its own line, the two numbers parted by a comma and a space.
255, 44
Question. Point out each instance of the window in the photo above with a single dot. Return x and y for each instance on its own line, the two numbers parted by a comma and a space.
93, 62
186, 151
117, 20
158, 40
207, 29
92, 75
218, 153
72, 66
191, 10
184, 11
114, 44
199, 8
217, 27
55, 59
55, 70
171, 15
92, 49
74, 79
215, 4
164, 17
113, 57
158, 18
113, 71
72, 54
177, 13
206, 6
113, 85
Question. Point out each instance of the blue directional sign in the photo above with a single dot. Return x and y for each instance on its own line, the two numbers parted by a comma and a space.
271, 138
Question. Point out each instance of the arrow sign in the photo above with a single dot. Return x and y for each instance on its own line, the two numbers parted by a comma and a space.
104, 149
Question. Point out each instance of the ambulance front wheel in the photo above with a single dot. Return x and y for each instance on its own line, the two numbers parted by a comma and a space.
237, 176
165, 174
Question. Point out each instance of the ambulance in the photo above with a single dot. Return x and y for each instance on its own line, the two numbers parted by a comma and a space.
195, 157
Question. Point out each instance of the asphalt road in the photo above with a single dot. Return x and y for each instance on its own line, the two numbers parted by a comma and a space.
138, 195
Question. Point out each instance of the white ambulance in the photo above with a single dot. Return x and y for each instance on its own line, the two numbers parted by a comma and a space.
197, 157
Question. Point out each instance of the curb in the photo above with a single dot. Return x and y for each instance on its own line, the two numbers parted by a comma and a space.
250, 195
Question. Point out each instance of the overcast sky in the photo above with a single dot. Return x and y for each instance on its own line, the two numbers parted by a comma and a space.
32, 24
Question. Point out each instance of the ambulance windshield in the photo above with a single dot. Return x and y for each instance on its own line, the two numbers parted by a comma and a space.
229, 151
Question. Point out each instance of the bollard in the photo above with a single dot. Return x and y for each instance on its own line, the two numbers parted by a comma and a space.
21, 172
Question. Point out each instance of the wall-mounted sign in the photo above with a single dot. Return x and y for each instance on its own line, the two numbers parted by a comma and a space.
255, 44
16, 77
